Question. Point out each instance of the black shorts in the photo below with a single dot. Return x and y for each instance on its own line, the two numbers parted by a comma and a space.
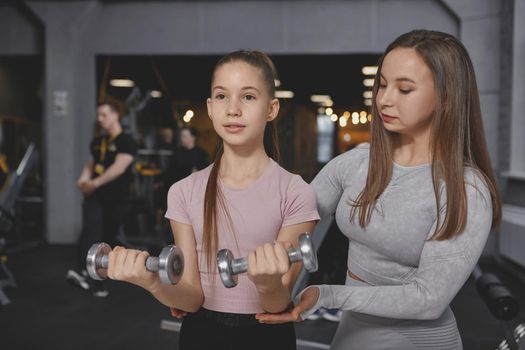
205, 330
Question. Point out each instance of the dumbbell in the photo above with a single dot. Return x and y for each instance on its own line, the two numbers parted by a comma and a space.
169, 264
229, 267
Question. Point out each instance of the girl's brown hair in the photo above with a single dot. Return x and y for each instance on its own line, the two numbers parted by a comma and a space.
457, 137
214, 199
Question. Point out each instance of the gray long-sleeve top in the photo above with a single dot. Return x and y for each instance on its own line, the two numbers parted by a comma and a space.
410, 276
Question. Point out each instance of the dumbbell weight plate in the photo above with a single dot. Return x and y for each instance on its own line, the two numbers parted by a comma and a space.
171, 265
97, 251
308, 252
228, 279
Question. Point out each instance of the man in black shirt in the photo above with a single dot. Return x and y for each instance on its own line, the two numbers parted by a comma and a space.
105, 182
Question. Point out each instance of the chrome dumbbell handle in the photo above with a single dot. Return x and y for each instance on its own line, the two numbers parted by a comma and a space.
241, 265
295, 255
152, 262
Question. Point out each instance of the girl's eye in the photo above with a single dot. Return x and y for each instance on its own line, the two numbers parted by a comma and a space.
405, 92
249, 97
220, 96
382, 85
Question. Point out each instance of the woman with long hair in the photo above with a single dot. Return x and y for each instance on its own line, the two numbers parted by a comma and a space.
417, 204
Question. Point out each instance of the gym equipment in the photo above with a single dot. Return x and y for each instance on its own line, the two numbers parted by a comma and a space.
229, 267
503, 306
135, 102
496, 296
519, 338
13, 185
8, 198
6, 277
169, 264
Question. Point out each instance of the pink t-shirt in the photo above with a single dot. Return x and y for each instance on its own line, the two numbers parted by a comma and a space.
258, 212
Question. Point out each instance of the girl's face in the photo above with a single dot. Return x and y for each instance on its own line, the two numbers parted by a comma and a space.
240, 104
406, 98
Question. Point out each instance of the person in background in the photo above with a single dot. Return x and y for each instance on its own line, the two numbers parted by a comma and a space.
187, 158
105, 182
165, 138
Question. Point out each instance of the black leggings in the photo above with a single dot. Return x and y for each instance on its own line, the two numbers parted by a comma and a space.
205, 330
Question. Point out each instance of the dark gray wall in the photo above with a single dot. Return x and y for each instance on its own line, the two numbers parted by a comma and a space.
18, 35
512, 131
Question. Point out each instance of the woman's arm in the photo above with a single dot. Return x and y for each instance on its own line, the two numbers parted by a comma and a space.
330, 183
443, 269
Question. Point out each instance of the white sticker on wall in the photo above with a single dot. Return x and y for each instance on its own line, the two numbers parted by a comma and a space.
60, 103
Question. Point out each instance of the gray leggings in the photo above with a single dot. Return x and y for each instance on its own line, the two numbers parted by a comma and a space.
367, 332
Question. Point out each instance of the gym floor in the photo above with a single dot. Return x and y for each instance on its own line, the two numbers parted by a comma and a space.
47, 313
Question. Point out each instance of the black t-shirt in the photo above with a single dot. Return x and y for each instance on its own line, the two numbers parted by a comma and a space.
104, 150
186, 161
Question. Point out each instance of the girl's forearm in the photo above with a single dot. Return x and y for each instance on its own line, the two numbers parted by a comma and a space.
183, 296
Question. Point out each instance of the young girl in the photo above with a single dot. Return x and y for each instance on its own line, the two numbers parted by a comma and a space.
417, 204
245, 202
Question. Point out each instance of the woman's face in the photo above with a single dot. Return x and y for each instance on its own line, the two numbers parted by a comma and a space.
187, 139
240, 104
406, 98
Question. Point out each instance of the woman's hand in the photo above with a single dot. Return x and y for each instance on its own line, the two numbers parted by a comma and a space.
177, 313
267, 265
308, 300
129, 265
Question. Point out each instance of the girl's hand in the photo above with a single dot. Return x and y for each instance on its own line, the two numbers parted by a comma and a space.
129, 265
267, 265
308, 300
